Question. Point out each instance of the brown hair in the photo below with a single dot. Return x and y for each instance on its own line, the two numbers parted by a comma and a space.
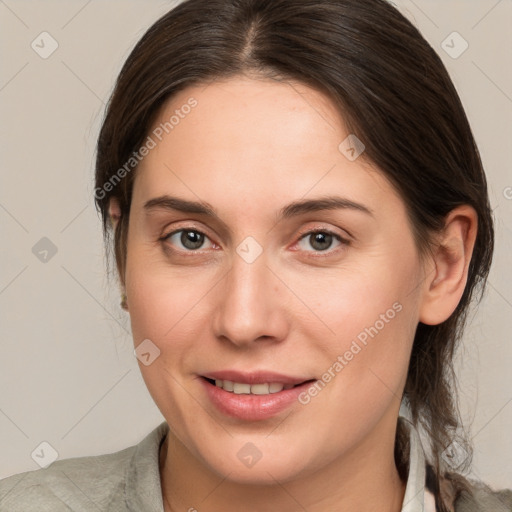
395, 95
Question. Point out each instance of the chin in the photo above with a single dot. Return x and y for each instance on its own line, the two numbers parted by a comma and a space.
242, 462
260, 474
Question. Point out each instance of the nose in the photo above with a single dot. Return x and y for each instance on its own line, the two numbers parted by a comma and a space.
251, 305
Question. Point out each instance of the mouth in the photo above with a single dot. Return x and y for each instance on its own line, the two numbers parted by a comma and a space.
263, 388
252, 396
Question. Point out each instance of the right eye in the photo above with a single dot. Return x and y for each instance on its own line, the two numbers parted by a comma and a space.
187, 239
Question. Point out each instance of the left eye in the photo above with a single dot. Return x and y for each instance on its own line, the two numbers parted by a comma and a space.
189, 239
319, 240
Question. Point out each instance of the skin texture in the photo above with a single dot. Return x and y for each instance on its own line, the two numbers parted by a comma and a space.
248, 148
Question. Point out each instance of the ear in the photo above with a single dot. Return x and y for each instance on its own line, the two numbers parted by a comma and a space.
114, 211
449, 265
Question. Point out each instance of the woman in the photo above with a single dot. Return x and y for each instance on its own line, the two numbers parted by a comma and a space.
300, 222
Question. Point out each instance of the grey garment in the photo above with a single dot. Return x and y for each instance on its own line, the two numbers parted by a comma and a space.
129, 480
484, 499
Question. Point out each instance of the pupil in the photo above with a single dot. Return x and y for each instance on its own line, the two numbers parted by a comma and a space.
192, 239
321, 241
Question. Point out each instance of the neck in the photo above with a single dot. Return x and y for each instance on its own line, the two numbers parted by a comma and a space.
366, 479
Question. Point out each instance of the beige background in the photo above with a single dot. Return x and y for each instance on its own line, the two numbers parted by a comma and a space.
67, 371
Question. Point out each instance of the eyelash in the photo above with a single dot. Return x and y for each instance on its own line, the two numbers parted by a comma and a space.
328, 252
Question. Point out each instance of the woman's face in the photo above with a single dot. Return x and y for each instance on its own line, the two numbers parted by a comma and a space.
261, 252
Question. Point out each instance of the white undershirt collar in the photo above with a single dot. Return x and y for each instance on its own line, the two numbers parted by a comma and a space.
417, 497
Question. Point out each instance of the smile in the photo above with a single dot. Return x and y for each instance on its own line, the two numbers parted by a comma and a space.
240, 388
252, 396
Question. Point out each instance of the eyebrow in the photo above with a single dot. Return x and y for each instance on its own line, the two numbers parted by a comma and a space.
294, 209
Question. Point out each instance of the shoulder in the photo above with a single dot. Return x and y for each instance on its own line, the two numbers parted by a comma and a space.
81, 483
481, 498
117, 481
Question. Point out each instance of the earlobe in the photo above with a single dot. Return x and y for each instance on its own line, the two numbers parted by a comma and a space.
124, 300
449, 265
114, 211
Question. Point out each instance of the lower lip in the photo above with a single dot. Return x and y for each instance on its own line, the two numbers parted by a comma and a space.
252, 407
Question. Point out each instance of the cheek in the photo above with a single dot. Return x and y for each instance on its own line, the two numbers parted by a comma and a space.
171, 307
360, 300
164, 309
160, 296
368, 318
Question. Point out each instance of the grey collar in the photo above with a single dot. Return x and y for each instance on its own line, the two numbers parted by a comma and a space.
143, 490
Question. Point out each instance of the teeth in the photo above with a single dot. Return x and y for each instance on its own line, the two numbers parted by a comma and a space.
228, 385
255, 389
260, 389
275, 387
241, 389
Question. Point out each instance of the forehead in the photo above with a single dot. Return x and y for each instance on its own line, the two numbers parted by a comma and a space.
252, 139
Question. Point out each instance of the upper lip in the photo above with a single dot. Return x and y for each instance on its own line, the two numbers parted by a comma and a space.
255, 377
